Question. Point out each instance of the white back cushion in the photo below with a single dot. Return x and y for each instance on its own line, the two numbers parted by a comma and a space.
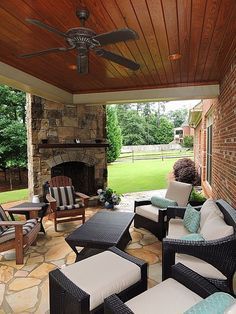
209, 210
216, 228
231, 309
179, 192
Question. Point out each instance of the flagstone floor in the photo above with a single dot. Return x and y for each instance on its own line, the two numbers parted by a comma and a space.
24, 288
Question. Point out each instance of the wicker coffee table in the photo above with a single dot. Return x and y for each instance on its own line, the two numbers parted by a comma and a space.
103, 230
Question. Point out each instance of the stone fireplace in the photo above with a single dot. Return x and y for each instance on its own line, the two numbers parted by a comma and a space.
52, 150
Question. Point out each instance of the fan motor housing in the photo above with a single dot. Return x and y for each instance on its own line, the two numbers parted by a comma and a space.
81, 35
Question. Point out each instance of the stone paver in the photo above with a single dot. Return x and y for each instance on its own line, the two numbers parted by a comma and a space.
42, 271
23, 283
23, 300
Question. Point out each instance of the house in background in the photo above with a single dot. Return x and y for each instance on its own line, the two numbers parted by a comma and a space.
181, 132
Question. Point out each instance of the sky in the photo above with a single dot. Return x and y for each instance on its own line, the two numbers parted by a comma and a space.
180, 104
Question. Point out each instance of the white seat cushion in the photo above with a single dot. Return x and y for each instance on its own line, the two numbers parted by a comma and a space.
102, 275
209, 210
177, 229
199, 266
216, 228
168, 297
148, 211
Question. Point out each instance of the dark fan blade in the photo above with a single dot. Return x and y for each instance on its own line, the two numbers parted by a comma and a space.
116, 36
118, 59
45, 26
82, 63
42, 52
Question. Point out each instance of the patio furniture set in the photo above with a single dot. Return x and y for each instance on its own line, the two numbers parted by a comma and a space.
104, 278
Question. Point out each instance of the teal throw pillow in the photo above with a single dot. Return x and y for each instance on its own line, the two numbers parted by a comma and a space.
216, 303
192, 219
193, 237
162, 202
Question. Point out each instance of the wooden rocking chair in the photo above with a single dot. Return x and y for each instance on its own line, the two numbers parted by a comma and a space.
18, 235
65, 202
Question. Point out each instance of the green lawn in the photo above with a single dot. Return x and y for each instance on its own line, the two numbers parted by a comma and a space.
12, 196
124, 177
141, 175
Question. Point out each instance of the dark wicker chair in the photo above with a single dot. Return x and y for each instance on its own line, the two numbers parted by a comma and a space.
68, 298
177, 191
220, 253
182, 274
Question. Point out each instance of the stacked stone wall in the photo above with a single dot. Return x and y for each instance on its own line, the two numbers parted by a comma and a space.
59, 123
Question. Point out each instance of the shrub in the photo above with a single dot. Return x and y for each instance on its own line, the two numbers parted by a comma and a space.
188, 141
185, 171
197, 197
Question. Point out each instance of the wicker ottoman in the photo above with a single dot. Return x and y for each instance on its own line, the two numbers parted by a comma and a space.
83, 286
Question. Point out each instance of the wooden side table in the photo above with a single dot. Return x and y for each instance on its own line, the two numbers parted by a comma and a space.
30, 210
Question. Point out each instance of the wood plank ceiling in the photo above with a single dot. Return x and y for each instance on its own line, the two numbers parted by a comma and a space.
202, 31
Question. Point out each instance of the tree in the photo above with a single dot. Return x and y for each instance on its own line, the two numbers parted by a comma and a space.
113, 134
164, 134
12, 103
178, 116
13, 146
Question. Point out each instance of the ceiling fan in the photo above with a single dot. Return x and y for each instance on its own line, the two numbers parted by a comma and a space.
84, 40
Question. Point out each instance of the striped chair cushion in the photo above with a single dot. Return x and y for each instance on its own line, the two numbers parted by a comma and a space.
63, 195
64, 207
9, 234
3, 217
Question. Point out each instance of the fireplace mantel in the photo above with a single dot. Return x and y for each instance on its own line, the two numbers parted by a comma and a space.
73, 145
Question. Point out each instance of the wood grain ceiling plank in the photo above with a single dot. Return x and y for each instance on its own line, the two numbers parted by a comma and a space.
198, 15
212, 11
102, 23
119, 22
57, 20
11, 47
89, 81
157, 15
32, 70
123, 47
226, 50
143, 15
184, 21
171, 25
128, 13
55, 62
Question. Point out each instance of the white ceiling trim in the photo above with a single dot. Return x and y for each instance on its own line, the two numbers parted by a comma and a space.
30, 84
147, 95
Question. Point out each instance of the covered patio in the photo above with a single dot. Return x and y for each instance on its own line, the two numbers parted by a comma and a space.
185, 49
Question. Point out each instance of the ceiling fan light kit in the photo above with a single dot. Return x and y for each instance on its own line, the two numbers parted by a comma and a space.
85, 40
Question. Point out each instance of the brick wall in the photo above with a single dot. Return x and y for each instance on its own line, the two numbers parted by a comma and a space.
224, 139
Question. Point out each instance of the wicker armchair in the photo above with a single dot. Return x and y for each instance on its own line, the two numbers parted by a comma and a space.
153, 218
183, 276
219, 253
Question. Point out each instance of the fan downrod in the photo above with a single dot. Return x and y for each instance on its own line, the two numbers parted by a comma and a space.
83, 15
